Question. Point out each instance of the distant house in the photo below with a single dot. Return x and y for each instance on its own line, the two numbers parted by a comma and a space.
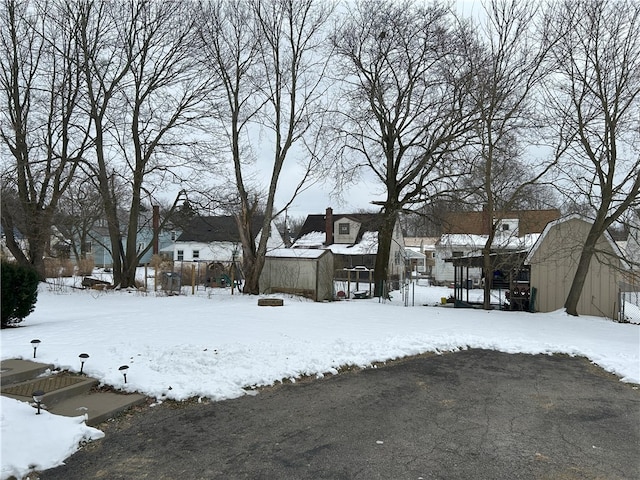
553, 261
99, 244
421, 254
217, 239
466, 233
352, 238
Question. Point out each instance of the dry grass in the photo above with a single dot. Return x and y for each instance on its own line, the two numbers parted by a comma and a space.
86, 266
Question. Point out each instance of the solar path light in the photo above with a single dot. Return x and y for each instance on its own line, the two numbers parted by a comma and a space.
123, 369
38, 395
35, 343
83, 358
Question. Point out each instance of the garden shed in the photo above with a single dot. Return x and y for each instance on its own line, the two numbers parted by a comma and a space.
299, 271
554, 260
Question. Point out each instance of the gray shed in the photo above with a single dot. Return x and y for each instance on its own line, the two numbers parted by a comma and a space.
299, 271
554, 260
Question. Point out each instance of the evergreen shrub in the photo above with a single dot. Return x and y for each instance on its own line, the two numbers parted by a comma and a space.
19, 292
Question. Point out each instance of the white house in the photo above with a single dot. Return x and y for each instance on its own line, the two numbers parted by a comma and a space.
217, 239
421, 254
460, 245
466, 233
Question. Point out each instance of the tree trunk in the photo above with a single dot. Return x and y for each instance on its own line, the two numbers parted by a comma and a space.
245, 229
579, 279
130, 259
385, 240
252, 281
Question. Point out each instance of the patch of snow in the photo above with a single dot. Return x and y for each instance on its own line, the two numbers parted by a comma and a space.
216, 345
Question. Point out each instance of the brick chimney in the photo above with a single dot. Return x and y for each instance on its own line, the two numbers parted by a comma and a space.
329, 226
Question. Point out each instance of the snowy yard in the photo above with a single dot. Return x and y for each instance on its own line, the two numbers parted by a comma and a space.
221, 346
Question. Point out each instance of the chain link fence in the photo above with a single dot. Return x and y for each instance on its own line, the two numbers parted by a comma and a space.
629, 301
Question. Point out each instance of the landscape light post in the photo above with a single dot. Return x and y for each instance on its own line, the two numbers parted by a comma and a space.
124, 369
83, 358
37, 397
35, 343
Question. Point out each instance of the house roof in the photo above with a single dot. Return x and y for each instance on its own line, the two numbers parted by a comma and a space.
317, 223
476, 223
216, 229
315, 227
508, 242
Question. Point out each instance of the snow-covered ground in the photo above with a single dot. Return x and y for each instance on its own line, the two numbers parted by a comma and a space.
220, 346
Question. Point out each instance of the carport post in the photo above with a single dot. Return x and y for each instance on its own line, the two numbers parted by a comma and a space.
193, 279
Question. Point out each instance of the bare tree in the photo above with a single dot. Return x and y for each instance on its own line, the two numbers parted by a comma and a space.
406, 103
231, 47
595, 103
269, 58
510, 66
144, 88
40, 124
79, 211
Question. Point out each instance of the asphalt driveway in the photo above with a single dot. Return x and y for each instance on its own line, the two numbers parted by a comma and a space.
473, 414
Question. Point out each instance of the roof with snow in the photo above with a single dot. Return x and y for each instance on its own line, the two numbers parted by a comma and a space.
509, 242
368, 244
309, 253
310, 240
317, 224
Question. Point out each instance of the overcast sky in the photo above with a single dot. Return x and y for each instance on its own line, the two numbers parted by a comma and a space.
355, 198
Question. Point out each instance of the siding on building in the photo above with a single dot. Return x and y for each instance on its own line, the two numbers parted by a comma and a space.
298, 271
554, 261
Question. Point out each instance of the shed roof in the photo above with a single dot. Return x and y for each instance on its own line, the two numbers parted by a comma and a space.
306, 253
607, 236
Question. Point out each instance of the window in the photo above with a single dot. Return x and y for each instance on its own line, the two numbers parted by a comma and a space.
180, 255
457, 254
505, 227
173, 235
343, 228
196, 254
87, 247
